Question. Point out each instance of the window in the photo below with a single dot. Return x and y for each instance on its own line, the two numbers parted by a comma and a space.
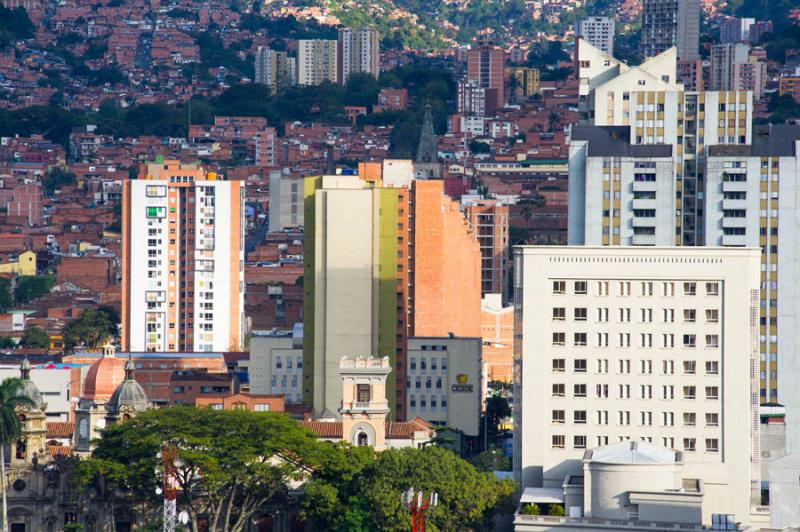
579, 417
558, 416
579, 442
558, 441
579, 314
712, 367
624, 288
712, 445
581, 287
559, 313
559, 365
624, 417
712, 315
579, 390
689, 419
413, 363
645, 418
689, 289
559, 287
712, 420
602, 391
558, 390
712, 392
668, 367
602, 365
689, 367
668, 419
624, 366
689, 445
712, 341
647, 288
624, 391
668, 289
602, 314
216, 406
689, 340
689, 315
689, 392
712, 289
602, 288
669, 315
579, 365
155, 191
602, 417
559, 338
579, 339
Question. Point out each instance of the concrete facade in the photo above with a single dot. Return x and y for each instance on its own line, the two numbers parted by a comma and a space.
445, 381
182, 260
658, 345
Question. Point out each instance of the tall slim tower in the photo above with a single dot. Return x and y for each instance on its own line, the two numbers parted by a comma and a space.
316, 61
668, 23
486, 66
358, 51
182, 260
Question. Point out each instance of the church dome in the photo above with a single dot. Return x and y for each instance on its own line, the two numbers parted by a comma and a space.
128, 394
104, 376
28, 388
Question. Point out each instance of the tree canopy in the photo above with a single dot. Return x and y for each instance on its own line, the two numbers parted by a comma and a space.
232, 461
35, 337
32, 287
91, 328
360, 490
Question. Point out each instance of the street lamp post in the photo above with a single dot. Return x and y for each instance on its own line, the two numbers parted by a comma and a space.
417, 503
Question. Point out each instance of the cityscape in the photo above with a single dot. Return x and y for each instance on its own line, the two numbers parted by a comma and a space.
445, 266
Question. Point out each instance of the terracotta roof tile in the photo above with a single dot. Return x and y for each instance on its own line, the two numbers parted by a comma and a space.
60, 429
59, 450
324, 429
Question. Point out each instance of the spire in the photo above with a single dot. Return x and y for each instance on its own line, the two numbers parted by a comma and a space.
330, 162
25, 370
427, 152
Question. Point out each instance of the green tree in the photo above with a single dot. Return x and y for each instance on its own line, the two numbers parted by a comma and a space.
367, 486
497, 410
232, 462
491, 460
6, 299
10, 428
35, 337
6, 342
91, 328
32, 287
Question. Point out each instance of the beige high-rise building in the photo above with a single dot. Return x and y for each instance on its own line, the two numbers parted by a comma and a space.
275, 69
358, 51
182, 260
316, 61
655, 345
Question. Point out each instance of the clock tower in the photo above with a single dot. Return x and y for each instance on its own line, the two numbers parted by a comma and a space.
364, 405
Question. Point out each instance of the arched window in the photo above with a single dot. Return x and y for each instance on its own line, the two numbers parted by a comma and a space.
21, 450
363, 439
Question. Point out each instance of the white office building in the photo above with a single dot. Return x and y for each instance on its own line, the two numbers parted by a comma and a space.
656, 345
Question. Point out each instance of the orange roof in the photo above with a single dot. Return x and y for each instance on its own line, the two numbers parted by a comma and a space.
59, 450
406, 429
60, 429
103, 378
324, 429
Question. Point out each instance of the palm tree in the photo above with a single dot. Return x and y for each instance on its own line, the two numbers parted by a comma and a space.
10, 428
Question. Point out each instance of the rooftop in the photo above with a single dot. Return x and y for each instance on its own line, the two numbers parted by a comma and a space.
614, 141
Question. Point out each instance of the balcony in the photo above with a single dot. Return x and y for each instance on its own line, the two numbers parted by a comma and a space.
734, 204
734, 240
645, 186
734, 222
644, 204
643, 222
734, 186
643, 240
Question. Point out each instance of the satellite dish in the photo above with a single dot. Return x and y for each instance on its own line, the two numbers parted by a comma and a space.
183, 517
